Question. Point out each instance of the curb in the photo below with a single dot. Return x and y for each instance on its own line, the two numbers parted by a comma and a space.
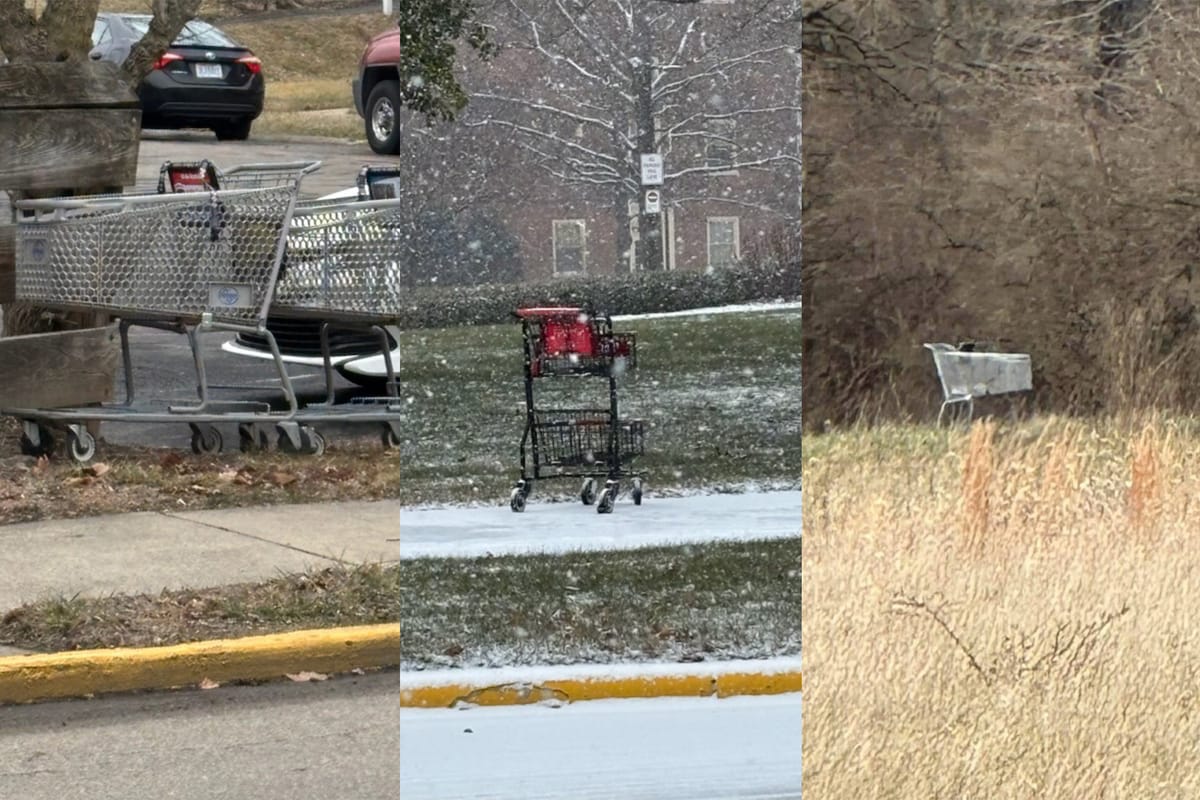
448, 693
81, 673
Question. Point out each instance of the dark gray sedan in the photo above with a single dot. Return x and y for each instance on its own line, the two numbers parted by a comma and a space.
206, 79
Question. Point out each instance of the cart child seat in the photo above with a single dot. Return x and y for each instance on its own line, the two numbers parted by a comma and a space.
191, 176
564, 331
376, 182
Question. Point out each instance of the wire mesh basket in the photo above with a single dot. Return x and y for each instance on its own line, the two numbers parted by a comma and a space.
173, 256
585, 437
343, 260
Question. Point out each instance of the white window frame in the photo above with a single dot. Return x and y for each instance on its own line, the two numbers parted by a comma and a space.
737, 240
724, 139
583, 250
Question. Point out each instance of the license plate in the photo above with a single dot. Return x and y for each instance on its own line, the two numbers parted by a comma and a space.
209, 71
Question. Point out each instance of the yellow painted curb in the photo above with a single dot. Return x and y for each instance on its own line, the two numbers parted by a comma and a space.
80, 673
571, 690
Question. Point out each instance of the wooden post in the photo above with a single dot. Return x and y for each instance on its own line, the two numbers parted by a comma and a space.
66, 128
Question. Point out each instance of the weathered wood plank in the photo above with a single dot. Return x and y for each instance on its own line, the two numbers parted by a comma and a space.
64, 84
53, 370
48, 150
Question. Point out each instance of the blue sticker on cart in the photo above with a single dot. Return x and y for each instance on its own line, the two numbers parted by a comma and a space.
229, 295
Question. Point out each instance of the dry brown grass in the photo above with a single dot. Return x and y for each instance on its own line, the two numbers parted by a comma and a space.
1057, 654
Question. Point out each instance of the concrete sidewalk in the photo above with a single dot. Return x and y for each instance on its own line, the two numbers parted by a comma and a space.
147, 552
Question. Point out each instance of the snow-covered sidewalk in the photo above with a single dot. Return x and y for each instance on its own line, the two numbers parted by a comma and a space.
694, 748
560, 527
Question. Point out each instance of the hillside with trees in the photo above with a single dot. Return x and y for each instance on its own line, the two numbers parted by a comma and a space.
1019, 171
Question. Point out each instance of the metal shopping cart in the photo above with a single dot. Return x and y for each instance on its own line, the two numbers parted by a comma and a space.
191, 263
343, 267
591, 443
204, 176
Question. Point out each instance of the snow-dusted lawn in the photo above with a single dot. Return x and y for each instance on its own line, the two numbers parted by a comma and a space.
689, 749
719, 391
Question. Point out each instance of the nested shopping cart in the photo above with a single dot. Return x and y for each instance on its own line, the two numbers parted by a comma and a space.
195, 262
204, 175
589, 442
342, 266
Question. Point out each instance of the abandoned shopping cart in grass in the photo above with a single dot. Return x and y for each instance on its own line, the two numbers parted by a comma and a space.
589, 442
967, 373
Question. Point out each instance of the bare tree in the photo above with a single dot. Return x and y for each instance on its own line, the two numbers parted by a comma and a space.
622, 78
63, 33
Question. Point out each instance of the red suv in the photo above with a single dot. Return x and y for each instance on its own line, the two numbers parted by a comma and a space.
377, 91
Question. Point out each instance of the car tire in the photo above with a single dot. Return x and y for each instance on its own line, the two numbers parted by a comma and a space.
236, 131
382, 118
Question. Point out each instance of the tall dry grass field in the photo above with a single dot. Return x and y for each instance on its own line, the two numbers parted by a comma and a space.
1004, 612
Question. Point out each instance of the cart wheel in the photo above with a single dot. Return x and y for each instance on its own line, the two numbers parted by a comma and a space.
82, 446
251, 438
607, 499
44, 447
313, 441
206, 441
637, 491
516, 501
588, 493
391, 441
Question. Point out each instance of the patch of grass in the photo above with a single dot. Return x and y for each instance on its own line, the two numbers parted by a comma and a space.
125, 479
319, 598
314, 95
715, 601
720, 395
341, 123
309, 48
1016, 601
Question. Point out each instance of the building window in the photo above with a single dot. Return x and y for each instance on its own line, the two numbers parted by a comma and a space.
570, 246
722, 242
720, 148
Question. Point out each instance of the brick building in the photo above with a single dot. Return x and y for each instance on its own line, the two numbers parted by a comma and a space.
549, 145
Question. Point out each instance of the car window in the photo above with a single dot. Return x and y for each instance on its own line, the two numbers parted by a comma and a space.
196, 33
100, 33
200, 34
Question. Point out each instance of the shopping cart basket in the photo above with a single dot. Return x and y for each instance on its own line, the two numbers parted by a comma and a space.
591, 443
190, 263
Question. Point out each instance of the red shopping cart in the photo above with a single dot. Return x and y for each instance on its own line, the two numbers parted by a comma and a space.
593, 443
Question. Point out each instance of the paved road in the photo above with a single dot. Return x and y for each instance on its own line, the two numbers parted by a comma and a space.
737, 748
335, 739
162, 361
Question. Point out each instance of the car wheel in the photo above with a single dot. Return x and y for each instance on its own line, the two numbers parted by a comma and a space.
383, 110
236, 131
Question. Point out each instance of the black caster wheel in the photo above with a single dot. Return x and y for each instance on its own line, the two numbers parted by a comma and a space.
636, 493
206, 440
82, 445
391, 441
516, 501
587, 494
311, 442
44, 447
252, 439
608, 498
